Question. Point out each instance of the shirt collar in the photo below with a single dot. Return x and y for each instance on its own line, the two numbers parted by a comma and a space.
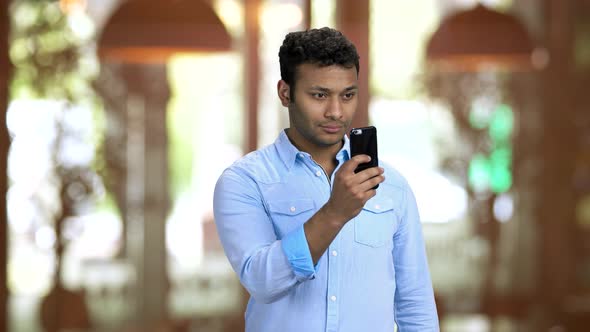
344, 153
288, 152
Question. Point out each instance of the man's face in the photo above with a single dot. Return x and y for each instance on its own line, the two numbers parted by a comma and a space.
326, 99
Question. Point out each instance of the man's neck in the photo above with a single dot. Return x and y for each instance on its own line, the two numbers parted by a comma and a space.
325, 156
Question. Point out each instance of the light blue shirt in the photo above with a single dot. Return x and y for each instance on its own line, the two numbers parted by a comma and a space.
374, 273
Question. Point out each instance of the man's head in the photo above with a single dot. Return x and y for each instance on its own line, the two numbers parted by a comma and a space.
319, 86
322, 47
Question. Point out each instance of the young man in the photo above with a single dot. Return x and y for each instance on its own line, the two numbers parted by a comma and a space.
315, 246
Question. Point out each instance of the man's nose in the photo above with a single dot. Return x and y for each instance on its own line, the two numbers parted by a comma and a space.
334, 110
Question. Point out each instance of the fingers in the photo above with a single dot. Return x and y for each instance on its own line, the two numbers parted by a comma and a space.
363, 182
352, 190
353, 163
369, 173
366, 191
347, 176
372, 182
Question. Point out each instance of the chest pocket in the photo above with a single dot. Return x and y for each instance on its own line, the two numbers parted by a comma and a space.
376, 223
287, 215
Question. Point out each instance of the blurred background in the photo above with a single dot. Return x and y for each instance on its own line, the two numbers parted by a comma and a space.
120, 115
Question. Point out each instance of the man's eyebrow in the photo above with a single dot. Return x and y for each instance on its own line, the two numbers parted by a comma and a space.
323, 89
320, 88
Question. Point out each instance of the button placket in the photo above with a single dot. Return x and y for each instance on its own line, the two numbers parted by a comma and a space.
333, 286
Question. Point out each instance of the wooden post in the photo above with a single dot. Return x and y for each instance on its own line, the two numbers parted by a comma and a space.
139, 168
4, 144
555, 211
352, 19
251, 72
307, 14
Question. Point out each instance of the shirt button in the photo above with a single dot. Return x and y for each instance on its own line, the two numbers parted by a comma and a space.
333, 298
334, 253
292, 209
318, 173
377, 206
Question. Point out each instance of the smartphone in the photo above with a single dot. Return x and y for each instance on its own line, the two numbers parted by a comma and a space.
364, 141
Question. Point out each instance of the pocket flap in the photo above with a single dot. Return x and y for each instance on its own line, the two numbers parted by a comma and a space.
290, 207
379, 205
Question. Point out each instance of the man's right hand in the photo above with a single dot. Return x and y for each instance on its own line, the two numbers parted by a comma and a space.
352, 190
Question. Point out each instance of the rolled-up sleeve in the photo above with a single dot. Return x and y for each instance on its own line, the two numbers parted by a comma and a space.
267, 267
297, 251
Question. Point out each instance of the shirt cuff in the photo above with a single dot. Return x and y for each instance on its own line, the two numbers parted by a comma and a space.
297, 251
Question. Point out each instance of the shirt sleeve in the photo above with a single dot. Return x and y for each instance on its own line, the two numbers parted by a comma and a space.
267, 267
415, 309
297, 251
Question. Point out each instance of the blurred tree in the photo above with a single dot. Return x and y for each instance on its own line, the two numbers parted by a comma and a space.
480, 102
51, 52
52, 58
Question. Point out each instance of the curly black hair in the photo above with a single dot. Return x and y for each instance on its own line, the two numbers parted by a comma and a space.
324, 47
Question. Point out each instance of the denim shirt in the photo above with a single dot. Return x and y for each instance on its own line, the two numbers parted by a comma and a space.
374, 274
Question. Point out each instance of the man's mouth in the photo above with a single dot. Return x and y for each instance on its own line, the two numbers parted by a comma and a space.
332, 129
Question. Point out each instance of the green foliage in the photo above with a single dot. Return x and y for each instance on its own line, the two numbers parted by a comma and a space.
50, 52
54, 58
501, 124
493, 172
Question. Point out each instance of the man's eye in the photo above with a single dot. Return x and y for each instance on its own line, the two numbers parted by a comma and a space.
319, 95
349, 95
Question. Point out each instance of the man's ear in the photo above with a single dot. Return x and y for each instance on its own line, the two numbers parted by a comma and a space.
284, 91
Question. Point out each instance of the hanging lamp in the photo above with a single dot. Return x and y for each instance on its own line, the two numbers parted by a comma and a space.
152, 30
480, 38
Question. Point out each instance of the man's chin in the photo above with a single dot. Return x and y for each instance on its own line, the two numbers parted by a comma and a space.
336, 139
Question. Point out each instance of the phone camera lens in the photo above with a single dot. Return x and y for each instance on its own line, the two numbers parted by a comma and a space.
357, 131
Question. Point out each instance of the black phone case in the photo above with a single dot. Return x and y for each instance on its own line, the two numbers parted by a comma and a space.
364, 141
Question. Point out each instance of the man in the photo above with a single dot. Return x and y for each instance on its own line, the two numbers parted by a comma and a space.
315, 246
